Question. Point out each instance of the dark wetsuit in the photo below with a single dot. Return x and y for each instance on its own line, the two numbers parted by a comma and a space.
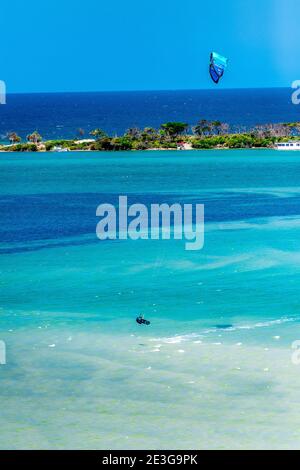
141, 321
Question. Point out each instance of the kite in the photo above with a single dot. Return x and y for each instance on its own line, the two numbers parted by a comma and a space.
217, 66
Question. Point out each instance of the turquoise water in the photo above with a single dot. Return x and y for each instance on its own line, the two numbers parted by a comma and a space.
214, 369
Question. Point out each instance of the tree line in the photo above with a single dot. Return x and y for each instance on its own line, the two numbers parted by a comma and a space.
205, 134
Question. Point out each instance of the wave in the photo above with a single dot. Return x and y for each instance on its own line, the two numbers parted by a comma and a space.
248, 326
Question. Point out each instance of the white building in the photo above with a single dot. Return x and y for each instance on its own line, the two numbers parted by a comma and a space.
288, 145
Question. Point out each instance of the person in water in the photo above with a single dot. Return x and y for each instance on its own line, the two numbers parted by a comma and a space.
141, 320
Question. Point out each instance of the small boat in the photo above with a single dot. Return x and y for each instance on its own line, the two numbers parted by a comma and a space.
294, 145
59, 149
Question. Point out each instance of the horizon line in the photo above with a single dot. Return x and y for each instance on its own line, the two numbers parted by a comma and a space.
144, 90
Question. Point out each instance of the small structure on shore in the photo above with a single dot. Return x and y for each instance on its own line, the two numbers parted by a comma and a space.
292, 145
184, 145
58, 148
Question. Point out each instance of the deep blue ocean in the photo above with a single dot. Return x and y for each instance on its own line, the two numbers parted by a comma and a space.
59, 115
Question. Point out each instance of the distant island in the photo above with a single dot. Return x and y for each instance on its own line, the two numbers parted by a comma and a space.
171, 135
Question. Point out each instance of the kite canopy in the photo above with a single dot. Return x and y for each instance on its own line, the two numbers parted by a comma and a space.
217, 65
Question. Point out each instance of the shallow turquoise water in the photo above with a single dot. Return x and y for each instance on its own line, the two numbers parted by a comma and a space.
80, 373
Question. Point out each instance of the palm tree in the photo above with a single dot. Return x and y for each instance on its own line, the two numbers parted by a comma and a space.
216, 125
13, 138
202, 128
35, 137
99, 134
149, 134
149, 131
174, 129
133, 132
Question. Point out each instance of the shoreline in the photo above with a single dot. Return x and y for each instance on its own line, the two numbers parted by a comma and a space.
205, 135
155, 149
135, 151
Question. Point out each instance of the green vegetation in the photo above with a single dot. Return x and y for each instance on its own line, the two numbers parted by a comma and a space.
98, 133
20, 148
13, 138
233, 141
50, 144
35, 137
171, 135
174, 129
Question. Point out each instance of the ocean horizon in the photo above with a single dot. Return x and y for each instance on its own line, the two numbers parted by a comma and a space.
60, 115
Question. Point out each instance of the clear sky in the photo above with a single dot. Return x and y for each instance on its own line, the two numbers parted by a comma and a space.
94, 45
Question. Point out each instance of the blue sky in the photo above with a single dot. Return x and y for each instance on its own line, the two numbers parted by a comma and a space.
75, 45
